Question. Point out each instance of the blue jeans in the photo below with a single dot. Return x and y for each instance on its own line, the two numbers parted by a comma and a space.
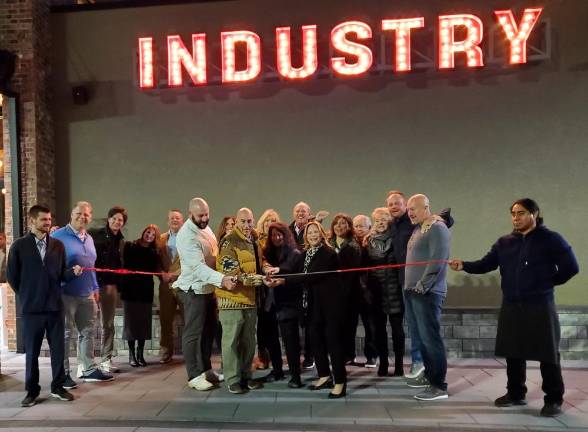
427, 313
415, 341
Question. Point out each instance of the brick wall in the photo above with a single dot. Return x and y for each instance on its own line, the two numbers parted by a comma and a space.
24, 30
468, 333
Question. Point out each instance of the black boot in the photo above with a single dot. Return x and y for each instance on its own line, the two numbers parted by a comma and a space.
133, 358
140, 358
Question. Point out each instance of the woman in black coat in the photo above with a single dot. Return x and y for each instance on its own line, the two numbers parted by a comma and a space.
281, 256
325, 299
343, 241
137, 292
386, 292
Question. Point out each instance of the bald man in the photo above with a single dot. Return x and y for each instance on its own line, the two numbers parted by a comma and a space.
239, 255
425, 289
197, 247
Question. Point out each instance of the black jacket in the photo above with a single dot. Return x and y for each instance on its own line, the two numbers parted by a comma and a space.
109, 251
298, 237
139, 288
37, 283
383, 284
530, 265
287, 297
326, 294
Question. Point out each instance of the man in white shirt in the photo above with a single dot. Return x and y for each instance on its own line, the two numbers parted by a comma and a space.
197, 247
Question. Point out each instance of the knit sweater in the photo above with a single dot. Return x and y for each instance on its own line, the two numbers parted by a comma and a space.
82, 253
238, 255
432, 245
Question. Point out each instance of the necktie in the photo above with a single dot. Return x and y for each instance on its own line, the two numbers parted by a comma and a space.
42, 248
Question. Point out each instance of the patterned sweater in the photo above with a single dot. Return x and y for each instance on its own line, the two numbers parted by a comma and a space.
238, 255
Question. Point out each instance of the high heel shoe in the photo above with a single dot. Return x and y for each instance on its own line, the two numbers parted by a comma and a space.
339, 395
327, 384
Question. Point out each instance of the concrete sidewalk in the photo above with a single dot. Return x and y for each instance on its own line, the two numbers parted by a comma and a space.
157, 397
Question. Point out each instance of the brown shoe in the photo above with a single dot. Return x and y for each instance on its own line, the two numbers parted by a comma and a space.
165, 359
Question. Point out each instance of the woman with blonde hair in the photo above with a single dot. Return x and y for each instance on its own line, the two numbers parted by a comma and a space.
136, 291
267, 218
325, 299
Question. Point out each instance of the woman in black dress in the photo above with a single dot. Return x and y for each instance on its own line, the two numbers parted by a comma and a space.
137, 291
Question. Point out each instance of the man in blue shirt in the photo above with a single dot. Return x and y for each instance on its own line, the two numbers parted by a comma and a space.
81, 295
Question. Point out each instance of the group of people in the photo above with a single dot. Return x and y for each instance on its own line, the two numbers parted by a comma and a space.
251, 285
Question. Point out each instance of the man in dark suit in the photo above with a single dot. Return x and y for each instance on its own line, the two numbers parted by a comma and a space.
35, 270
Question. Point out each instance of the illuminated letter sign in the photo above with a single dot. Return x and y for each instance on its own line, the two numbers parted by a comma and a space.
350, 44
402, 28
340, 42
284, 53
448, 46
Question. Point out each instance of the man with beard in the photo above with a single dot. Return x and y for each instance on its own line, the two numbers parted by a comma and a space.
197, 247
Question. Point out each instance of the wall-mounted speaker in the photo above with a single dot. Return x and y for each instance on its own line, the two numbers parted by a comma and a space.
80, 95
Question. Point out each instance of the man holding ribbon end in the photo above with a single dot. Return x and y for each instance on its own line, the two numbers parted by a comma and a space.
532, 261
197, 247
239, 256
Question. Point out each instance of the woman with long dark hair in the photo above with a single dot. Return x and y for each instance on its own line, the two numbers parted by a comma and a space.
281, 256
343, 242
137, 291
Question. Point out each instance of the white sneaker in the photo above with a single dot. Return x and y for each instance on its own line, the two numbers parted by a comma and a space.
415, 370
200, 383
80, 372
214, 377
108, 366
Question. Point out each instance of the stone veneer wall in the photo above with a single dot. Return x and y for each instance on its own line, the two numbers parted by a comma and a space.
468, 333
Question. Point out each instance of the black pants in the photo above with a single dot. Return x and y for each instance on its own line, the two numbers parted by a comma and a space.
398, 338
268, 336
291, 338
328, 343
553, 386
199, 330
367, 313
34, 327
308, 345
350, 324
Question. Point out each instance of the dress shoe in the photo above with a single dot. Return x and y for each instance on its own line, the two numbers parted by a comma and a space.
507, 401
295, 382
273, 376
551, 409
325, 385
341, 394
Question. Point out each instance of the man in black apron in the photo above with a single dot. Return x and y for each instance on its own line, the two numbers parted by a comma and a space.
532, 260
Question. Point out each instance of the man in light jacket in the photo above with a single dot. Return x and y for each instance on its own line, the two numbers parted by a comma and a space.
197, 247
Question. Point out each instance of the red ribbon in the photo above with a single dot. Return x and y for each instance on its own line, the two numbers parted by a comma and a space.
355, 269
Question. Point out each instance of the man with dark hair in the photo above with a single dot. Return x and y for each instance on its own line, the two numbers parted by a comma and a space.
532, 261
36, 268
168, 301
109, 243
